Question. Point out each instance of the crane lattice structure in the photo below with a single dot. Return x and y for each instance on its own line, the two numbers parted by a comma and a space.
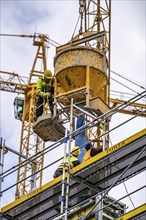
30, 143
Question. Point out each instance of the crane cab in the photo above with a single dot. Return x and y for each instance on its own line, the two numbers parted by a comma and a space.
18, 107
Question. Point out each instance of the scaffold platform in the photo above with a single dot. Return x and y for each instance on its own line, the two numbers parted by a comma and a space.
87, 179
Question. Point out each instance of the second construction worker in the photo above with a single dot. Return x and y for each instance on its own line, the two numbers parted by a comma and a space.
90, 152
45, 90
73, 162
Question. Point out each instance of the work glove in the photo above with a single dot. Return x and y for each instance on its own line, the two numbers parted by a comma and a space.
47, 94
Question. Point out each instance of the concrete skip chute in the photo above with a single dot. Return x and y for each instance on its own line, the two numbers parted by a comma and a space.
77, 69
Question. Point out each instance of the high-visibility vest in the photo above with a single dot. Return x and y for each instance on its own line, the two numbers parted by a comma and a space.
43, 86
87, 155
72, 159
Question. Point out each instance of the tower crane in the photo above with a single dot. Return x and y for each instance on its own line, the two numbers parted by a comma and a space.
78, 64
12, 82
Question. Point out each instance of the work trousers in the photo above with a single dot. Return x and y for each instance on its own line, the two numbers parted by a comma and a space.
58, 172
40, 107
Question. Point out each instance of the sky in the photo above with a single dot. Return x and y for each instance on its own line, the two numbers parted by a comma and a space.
57, 19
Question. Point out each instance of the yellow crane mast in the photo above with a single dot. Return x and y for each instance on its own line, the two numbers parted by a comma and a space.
30, 143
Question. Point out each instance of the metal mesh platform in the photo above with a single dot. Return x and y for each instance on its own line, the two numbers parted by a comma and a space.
90, 177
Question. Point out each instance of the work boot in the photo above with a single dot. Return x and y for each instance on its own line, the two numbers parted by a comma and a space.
35, 118
57, 209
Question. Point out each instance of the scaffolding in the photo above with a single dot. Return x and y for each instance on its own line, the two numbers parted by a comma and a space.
84, 60
94, 178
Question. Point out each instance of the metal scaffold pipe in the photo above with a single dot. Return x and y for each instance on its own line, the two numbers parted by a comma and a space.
62, 158
88, 125
69, 151
106, 206
80, 146
63, 176
142, 87
114, 183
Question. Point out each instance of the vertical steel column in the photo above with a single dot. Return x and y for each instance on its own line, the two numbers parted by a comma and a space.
63, 176
55, 100
104, 136
34, 176
99, 214
69, 150
87, 86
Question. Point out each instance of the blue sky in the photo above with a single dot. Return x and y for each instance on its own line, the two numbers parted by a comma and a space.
58, 19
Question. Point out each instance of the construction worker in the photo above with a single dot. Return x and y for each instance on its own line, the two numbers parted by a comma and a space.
45, 90
73, 162
90, 152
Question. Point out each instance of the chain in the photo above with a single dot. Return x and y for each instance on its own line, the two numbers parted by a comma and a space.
81, 10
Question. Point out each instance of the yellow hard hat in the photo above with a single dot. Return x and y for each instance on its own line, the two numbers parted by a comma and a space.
76, 151
48, 74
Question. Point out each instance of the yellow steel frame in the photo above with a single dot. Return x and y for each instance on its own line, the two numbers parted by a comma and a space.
96, 33
40, 42
97, 20
132, 109
133, 213
82, 214
30, 143
80, 167
12, 82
